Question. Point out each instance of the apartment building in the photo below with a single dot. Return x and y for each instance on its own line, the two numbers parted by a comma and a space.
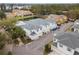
75, 27
66, 43
36, 27
60, 19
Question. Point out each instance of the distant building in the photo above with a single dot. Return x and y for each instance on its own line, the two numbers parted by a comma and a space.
60, 19
12, 10
18, 12
46, 25
21, 6
10, 7
67, 43
37, 27
53, 26
29, 29
64, 12
75, 27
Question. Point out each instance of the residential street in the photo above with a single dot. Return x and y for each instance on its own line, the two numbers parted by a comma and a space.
35, 47
64, 27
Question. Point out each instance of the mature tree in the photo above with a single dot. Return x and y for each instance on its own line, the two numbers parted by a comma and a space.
16, 32
45, 9
2, 40
3, 7
47, 48
2, 15
9, 53
36, 9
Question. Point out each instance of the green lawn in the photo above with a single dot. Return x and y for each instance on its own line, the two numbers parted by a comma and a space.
26, 18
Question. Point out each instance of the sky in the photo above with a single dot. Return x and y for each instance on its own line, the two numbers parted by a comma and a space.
39, 1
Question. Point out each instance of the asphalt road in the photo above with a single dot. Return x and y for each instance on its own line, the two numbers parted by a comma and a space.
35, 47
64, 27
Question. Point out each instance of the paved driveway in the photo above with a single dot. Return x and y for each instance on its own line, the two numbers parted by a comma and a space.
35, 47
64, 27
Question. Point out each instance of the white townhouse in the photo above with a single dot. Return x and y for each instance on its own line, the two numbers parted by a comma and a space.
43, 24
53, 25
46, 25
75, 27
30, 29
36, 27
66, 43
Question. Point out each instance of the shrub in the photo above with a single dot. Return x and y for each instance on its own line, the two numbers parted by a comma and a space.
2, 40
16, 32
2, 15
9, 53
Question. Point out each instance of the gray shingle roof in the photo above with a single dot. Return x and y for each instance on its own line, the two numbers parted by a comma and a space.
29, 27
33, 26
40, 21
69, 39
36, 24
51, 21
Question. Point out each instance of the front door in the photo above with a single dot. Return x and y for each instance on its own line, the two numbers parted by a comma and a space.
76, 53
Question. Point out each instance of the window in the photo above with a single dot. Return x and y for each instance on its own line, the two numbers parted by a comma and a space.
60, 45
54, 40
53, 29
68, 49
55, 44
40, 28
76, 30
32, 33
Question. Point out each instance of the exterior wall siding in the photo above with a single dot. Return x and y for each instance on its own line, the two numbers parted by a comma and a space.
45, 29
76, 30
61, 49
64, 49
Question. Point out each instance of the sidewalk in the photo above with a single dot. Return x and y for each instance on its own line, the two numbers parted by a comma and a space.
56, 52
